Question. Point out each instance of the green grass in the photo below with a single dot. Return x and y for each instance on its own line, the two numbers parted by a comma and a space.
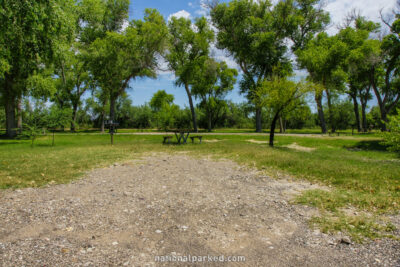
358, 227
313, 131
359, 171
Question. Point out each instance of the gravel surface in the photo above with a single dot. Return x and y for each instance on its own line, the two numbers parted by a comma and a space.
173, 206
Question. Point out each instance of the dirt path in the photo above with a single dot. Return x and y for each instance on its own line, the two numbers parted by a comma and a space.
168, 205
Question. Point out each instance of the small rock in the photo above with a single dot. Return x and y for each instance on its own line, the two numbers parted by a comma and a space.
114, 243
345, 240
158, 231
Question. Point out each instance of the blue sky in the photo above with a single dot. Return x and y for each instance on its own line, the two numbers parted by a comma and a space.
142, 90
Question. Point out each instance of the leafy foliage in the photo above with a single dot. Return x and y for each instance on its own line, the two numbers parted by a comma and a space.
189, 48
392, 137
212, 82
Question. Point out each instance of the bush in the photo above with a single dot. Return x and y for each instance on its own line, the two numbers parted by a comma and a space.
392, 137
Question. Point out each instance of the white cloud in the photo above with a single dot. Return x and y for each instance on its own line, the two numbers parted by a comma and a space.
180, 14
338, 10
203, 11
125, 25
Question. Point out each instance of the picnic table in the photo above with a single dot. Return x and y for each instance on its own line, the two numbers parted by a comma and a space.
181, 135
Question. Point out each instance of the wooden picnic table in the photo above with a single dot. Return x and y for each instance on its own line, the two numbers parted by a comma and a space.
181, 135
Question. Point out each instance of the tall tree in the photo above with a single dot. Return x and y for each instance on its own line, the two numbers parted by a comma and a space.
323, 57
120, 57
254, 34
212, 82
358, 80
30, 33
73, 78
388, 95
189, 49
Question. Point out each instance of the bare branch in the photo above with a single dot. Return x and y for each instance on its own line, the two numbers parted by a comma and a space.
210, 4
351, 17
386, 20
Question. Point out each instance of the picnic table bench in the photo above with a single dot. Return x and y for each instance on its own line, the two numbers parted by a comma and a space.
196, 136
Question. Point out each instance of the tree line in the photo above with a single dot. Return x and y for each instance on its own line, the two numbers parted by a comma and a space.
56, 51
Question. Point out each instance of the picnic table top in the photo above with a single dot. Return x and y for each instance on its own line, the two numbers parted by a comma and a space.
181, 131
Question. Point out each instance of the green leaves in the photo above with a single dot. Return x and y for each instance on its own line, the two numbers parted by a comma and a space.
161, 99
392, 137
189, 47
324, 58
281, 94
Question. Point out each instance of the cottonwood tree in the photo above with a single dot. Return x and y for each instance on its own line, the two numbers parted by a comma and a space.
212, 82
94, 18
359, 84
324, 57
73, 79
30, 33
281, 95
388, 94
189, 48
254, 33
118, 58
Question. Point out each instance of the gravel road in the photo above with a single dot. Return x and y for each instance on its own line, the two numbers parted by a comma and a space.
173, 206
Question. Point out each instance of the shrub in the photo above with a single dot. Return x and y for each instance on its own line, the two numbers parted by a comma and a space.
392, 137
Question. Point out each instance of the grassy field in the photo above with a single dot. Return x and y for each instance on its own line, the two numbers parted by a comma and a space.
361, 175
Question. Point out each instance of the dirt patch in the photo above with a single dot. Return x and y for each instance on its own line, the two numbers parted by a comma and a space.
174, 205
257, 141
297, 147
212, 140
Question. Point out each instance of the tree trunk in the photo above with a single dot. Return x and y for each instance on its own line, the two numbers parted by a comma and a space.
102, 122
10, 101
10, 119
318, 100
384, 119
281, 128
194, 119
329, 100
272, 130
381, 104
364, 116
209, 121
258, 120
74, 115
19, 113
356, 111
